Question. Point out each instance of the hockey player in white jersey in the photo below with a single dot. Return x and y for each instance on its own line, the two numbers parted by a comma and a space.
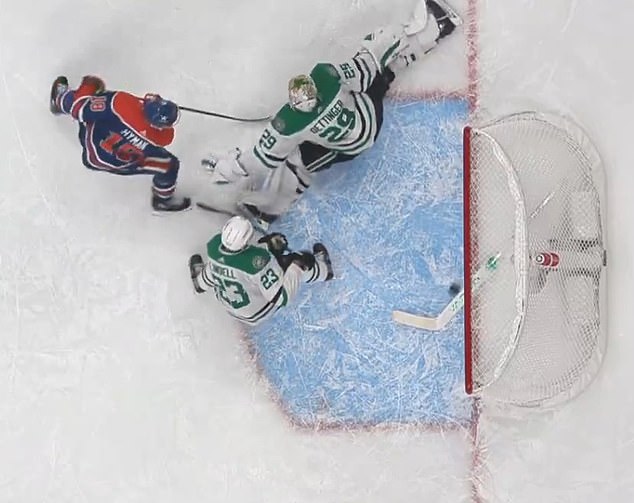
333, 114
253, 281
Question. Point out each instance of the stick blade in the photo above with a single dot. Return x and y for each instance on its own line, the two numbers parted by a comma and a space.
415, 320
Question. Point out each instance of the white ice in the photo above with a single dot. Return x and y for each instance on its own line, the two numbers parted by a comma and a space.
117, 384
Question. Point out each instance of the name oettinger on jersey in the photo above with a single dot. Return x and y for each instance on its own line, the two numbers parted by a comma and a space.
344, 118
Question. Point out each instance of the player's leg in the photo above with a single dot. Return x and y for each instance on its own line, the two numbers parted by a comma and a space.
377, 91
398, 46
287, 258
445, 15
322, 270
317, 265
317, 158
306, 267
431, 21
295, 163
278, 193
285, 185
380, 86
163, 187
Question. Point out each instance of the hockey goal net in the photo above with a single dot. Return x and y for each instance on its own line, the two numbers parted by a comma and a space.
534, 259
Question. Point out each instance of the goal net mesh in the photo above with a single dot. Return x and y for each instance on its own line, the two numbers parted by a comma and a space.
534, 259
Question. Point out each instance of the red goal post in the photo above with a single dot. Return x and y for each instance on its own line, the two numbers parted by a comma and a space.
535, 240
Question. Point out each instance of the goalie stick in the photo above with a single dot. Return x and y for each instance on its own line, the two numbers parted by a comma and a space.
260, 226
208, 207
439, 322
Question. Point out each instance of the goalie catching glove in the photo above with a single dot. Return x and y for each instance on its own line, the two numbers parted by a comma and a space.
225, 168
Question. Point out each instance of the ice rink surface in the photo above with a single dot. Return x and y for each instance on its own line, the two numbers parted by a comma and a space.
393, 221
118, 384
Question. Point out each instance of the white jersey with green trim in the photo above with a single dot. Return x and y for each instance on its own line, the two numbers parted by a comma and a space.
344, 120
249, 283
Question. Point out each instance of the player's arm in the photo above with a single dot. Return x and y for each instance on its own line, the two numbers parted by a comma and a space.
274, 145
358, 72
90, 87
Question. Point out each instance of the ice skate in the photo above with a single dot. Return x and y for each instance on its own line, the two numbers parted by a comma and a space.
322, 257
172, 204
59, 87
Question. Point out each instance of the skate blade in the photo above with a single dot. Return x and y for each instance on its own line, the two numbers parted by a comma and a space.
167, 213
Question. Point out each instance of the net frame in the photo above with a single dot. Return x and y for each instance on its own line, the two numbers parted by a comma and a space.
570, 133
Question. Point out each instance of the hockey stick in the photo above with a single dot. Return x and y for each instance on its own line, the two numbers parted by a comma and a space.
456, 304
260, 226
207, 207
224, 116
440, 321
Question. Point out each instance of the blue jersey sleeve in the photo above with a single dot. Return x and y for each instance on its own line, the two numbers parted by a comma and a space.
97, 108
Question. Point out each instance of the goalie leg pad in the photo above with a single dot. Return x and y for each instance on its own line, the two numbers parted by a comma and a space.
424, 30
385, 45
446, 17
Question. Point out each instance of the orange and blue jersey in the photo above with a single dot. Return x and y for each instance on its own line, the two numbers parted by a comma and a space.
117, 138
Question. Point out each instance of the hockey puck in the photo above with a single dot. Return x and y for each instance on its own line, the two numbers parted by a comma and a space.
454, 288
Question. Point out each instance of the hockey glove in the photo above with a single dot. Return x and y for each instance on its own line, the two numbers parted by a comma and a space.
196, 265
275, 242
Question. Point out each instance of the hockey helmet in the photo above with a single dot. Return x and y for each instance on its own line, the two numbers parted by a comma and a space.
159, 112
236, 234
302, 93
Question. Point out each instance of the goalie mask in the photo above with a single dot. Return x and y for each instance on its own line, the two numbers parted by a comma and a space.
302, 93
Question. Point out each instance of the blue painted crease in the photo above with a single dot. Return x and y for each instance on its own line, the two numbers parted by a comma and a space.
392, 220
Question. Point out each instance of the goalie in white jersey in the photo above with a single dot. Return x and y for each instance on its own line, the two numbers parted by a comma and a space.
333, 114
252, 281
